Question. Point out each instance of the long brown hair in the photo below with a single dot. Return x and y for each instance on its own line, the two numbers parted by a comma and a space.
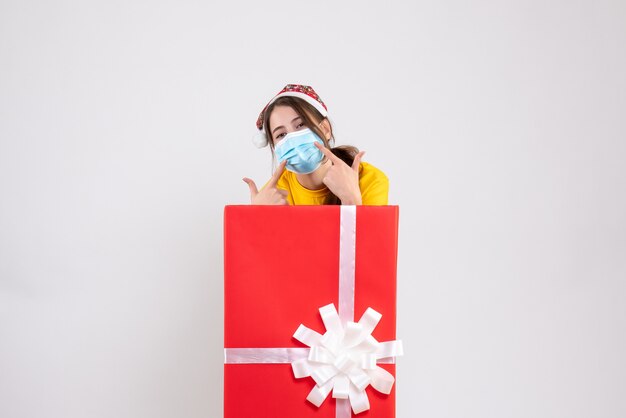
311, 118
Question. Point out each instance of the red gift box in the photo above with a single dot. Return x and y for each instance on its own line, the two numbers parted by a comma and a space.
281, 264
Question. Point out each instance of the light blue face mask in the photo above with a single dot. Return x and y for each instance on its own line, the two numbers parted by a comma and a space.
299, 150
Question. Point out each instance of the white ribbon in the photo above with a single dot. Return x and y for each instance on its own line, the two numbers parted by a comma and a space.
343, 360
347, 262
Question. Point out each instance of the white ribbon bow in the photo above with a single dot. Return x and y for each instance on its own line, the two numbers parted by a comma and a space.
344, 360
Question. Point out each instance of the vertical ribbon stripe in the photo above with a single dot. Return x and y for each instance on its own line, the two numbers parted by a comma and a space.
347, 261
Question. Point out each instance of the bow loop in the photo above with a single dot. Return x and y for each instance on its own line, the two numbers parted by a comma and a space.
343, 360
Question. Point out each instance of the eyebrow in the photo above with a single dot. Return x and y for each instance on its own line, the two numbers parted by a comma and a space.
292, 121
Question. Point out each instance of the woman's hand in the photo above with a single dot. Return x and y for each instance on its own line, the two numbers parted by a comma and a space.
342, 179
270, 194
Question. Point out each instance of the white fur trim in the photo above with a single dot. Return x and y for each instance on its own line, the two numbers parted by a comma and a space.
304, 97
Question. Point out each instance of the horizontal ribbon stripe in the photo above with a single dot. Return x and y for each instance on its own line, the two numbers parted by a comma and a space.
264, 355
275, 356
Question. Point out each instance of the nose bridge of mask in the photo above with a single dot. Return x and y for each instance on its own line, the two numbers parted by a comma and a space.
293, 139
294, 142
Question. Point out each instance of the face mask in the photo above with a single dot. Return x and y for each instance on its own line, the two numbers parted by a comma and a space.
299, 150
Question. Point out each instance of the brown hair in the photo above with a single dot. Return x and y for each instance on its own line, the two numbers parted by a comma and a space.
311, 118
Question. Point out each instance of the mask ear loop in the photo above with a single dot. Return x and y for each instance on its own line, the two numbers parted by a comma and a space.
330, 140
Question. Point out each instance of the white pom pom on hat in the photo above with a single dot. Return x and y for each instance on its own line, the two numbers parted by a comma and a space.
301, 91
259, 139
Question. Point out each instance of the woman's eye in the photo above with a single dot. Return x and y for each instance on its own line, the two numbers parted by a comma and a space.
280, 135
300, 125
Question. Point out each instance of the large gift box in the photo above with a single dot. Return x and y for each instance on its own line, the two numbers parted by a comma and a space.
310, 311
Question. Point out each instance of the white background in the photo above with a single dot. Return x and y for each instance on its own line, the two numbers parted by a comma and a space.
125, 128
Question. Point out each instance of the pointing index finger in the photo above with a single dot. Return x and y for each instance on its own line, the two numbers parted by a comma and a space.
279, 171
328, 153
357, 161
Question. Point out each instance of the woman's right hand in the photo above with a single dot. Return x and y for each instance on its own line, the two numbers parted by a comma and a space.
270, 194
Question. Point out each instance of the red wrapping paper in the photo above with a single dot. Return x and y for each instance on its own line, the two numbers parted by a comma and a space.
281, 264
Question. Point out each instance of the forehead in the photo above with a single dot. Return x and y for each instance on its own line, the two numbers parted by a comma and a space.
282, 115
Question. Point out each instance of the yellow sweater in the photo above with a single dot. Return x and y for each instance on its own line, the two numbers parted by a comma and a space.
373, 183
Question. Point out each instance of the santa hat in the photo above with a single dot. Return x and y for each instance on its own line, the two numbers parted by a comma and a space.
303, 92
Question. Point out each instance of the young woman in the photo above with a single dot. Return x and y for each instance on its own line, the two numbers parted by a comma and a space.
311, 172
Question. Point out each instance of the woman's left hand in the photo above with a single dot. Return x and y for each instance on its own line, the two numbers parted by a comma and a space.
342, 179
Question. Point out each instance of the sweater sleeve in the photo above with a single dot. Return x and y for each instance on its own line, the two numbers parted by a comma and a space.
374, 185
